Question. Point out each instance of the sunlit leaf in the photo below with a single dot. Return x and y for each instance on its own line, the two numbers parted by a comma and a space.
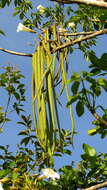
92, 131
89, 150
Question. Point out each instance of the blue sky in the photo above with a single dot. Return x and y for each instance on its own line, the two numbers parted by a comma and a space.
20, 42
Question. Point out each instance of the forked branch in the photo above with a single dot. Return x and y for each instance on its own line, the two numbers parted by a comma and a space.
80, 39
64, 45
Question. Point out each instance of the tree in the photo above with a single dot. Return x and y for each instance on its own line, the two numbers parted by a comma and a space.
61, 30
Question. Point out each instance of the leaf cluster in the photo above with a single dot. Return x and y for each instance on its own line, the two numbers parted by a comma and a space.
10, 83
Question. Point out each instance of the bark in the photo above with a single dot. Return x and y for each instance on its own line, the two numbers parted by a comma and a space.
97, 3
98, 186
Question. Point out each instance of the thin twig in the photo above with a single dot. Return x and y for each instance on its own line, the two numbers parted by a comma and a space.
91, 108
76, 33
102, 121
5, 115
78, 40
98, 186
97, 20
97, 3
16, 53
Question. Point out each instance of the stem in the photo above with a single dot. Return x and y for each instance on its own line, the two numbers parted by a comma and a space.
91, 108
5, 115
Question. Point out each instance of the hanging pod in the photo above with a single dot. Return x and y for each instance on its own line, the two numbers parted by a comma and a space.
47, 68
45, 111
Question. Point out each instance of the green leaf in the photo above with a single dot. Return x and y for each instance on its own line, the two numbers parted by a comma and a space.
92, 131
89, 150
25, 141
58, 154
23, 132
66, 151
96, 89
17, 96
75, 87
71, 100
103, 58
16, 13
1, 32
22, 123
3, 173
25, 119
75, 77
84, 156
80, 108
103, 82
92, 57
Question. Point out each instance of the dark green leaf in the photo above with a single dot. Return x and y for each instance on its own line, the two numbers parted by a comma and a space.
80, 108
25, 141
75, 87
23, 133
1, 32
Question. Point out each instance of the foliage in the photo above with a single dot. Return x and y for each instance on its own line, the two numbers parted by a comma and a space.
43, 138
10, 83
16, 170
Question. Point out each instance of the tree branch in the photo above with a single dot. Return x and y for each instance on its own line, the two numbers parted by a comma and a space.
97, 3
76, 33
78, 40
67, 44
102, 121
98, 186
15, 53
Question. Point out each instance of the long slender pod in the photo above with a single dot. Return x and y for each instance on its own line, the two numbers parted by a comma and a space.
50, 82
33, 89
64, 80
54, 30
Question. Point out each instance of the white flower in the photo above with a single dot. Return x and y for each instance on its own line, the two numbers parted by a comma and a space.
71, 24
21, 27
62, 30
49, 173
41, 9
1, 188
